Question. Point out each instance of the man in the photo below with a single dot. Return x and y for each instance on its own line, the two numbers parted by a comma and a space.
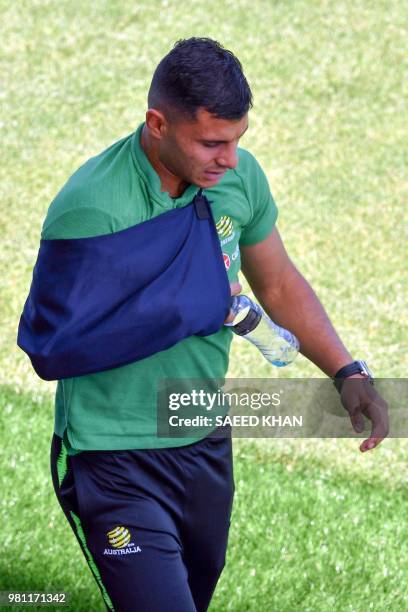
151, 513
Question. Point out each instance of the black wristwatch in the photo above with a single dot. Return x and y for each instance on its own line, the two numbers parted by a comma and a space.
357, 367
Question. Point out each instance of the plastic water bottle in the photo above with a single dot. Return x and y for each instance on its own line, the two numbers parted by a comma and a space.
278, 345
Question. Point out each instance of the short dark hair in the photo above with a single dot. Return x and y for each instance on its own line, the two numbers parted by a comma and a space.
200, 73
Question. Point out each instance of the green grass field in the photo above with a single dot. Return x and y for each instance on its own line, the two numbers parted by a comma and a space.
316, 526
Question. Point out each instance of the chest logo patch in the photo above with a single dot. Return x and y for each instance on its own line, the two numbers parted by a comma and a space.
224, 227
225, 230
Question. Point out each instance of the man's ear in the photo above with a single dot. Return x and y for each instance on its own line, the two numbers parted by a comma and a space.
156, 123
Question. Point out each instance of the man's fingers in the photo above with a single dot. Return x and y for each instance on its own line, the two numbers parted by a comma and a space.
370, 443
377, 412
357, 421
235, 288
360, 398
230, 317
351, 402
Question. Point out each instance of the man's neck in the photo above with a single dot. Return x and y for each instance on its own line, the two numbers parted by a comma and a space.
169, 182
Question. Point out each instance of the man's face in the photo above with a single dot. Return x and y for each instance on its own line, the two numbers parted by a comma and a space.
201, 151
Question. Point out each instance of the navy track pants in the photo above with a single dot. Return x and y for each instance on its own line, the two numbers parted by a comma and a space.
153, 524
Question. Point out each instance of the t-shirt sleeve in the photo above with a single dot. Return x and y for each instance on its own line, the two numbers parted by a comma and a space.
264, 211
83, 222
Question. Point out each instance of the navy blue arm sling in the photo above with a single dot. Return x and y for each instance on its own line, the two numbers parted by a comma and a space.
102, 302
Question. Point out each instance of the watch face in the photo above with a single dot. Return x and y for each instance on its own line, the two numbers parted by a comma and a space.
365, 369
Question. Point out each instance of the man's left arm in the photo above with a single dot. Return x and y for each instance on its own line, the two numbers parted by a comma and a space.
291, 302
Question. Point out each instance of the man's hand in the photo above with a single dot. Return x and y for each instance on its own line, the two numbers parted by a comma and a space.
359, 397
235, 289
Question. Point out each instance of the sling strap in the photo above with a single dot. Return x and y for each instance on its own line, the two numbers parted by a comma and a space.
102, 302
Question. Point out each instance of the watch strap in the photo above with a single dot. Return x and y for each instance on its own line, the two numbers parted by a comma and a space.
356, 367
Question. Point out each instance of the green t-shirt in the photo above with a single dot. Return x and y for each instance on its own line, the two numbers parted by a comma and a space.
117, 409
